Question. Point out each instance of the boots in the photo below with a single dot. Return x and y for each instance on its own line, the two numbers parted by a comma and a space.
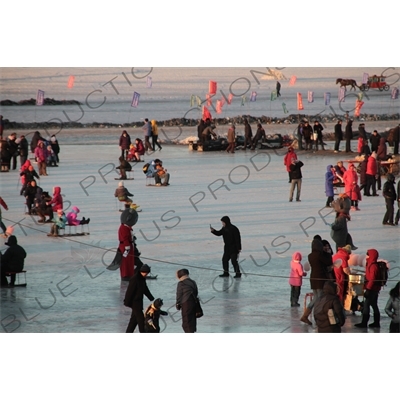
363, 323
305, 316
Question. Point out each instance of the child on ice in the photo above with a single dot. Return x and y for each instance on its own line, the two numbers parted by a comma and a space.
296, 279
152, 316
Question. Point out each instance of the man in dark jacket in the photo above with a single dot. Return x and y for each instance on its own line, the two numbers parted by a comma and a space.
124, 143
137, 289
23, 149
186, 295
389, 193
295, 178
307, 134
338, 135
248, 134
13, 146
328, 310
349, 135
232, 248
375, 139
372, 287
12, 260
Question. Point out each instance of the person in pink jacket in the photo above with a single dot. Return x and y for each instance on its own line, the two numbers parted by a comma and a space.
351, 188
72, 217
57, 201
41, 155
296, 278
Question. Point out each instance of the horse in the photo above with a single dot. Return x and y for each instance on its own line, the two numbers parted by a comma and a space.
393, 138
347, 82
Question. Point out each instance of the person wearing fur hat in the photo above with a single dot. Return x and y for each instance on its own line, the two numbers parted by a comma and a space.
72, 217
12, 260
186, 295
134, 295
129, 218
232, 246
152, 316
372, 287
389, 193
296, 279
343, 271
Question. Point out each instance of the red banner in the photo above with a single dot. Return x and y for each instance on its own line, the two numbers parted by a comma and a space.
230, 98
299, 102
218, 107
292, 81
71, 82
359, 105
209, 100
206, 113
212, 89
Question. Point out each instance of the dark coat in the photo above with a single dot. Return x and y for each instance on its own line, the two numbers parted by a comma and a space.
232, 238
339, 230
295, 170
307, 132
338, 132
137, 289
349, 130
389, 191
14, 257
319, 263
125, 141
329, 300
248, 133
374, 140
35, 139
186, 295
23, 147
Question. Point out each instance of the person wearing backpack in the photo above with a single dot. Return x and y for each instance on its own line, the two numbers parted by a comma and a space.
372, 287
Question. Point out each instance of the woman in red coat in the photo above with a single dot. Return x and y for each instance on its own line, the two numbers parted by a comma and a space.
290, 156
343, 271
350, 179
57, 200
372, 175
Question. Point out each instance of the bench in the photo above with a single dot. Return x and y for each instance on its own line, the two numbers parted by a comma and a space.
17, 275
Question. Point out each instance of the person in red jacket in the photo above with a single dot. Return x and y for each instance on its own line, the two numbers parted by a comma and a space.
350, 179
57, 200
372, 175
372, 287
290, 156
341, 273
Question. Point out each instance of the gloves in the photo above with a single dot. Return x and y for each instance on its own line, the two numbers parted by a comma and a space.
178, 307
126, 252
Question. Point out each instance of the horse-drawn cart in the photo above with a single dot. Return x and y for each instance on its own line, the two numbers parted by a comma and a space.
375, 82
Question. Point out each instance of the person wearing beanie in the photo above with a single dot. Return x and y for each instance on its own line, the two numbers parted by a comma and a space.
12, 260
232, 247
389, 193
343, 271
186, 295
152, 316
134, 295
122, 193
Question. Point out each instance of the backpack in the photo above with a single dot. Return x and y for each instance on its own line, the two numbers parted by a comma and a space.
383, 272
146, 168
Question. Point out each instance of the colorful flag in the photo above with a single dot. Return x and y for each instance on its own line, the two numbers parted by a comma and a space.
310, 96
244, 100
342, 94
209, 100
253, 96
212, 87
198, 99
149, 82
71, 82
274, 95
395, 93
192, 100
135, 99
40, 98
359, 105
327, 98
292, 81
218, 107
206, 113
230, 98
360, 96
285, 110
299, 102
365, 78
222, 101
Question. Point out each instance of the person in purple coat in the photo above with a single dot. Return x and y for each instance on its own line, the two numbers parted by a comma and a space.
329, 178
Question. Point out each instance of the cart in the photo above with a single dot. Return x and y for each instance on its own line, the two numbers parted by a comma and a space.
375, 82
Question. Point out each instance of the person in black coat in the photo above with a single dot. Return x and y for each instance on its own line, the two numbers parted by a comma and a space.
248, 134
329, 321
124, 167
31, 192
307, 134
389, 193
55, 147
186, 295
23, 149
137, 289
375, 140
232, 248
35, 140
296, 178
338, 135
124, 143
12, 260
13, 148
349, 135
5, 155
152, 316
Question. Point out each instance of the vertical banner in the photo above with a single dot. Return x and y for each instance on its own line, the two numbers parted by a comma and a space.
192, 100
212, 87
299, 102
209, 100
198, 99
292, 81
230, 98
285, 110
365, 78
71, 82
222, 101
218, 107
253, 96
395, 93
40, 98
310, 96
206, 114
244, 100
135, 99
327, 98
274, 95
149, 82
342, 94
359, 105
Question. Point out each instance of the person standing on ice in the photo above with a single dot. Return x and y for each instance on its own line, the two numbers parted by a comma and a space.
232, 248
